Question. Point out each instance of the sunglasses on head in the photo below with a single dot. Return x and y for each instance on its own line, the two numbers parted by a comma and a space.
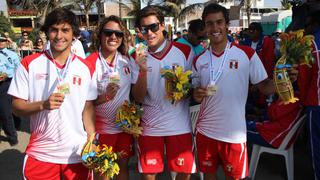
109, 32
153, 27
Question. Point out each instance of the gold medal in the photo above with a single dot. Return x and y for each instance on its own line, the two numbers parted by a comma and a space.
212, 89
114, 78
64, 88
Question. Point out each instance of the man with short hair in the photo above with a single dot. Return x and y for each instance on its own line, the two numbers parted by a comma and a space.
9, 61
196, 34
222, 74
263, 45
55, 88
166, 126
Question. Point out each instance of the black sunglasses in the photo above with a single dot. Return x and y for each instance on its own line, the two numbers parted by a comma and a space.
153, 27
109, 32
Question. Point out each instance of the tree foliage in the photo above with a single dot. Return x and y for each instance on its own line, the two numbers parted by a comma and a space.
85, 7
5, 24
43, 7
133, 6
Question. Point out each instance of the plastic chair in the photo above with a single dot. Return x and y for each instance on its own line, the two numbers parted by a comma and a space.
284, 150
194, 113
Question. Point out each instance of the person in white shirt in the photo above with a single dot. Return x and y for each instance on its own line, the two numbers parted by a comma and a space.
110, 61
165, 125
55, 88
222, 79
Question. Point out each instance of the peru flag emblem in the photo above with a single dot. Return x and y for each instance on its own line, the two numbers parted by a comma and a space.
76, 80
233, 64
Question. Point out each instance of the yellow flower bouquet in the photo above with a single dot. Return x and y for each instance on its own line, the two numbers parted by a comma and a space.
295, 49
100, 159
177, 83
128, 118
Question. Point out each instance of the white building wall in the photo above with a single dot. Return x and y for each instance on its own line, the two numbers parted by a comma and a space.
4, 7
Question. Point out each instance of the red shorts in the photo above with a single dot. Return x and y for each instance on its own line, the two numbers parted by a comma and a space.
119, 142
233, 157
38, 170
179, 152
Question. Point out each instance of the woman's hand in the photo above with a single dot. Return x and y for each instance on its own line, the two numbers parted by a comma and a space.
111, 91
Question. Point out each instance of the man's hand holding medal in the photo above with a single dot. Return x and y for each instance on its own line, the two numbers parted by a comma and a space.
141, 58
54, 101
199, 93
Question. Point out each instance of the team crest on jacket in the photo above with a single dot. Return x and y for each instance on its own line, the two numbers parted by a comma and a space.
233, 64
76, 80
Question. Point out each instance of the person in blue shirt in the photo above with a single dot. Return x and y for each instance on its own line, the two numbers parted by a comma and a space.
9, 60
196, 34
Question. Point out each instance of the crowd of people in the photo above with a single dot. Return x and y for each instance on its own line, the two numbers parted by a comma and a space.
72, 86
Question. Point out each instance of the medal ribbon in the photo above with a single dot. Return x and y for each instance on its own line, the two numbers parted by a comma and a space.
63, 73
214, 77
163, 45
105, 65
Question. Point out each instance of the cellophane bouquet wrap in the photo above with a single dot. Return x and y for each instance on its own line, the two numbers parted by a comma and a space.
177, 83
128, 118
100, 159
295, 48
